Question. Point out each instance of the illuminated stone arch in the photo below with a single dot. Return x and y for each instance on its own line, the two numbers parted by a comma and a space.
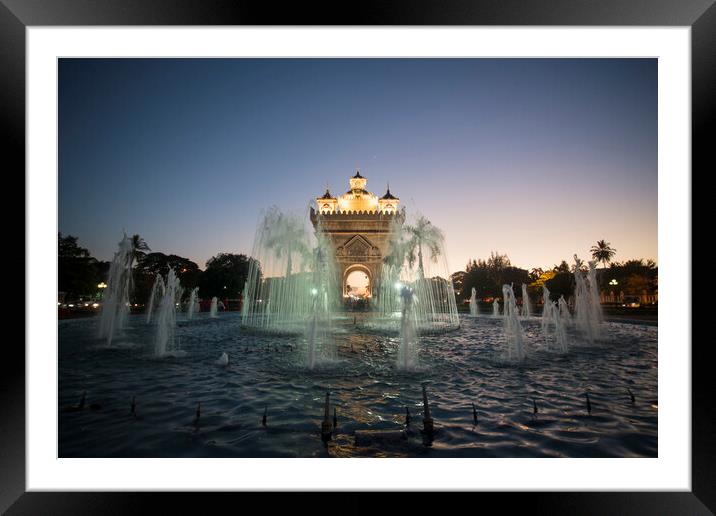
354, 268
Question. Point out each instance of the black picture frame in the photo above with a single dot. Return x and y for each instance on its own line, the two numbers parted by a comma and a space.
16, 15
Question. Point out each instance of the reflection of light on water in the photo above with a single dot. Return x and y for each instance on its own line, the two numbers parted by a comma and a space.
366, 390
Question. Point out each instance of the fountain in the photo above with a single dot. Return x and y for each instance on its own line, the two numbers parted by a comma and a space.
555, 320
290, 263
473, 303
407, 350
157, 287
312, 335
319, 340
416, 259
214, 306
596, 304
512, 327
193, 303
495, 308
164, 342
381, 372
587, 309
560, 333
115, 301
526, 309
564, 314
548, 311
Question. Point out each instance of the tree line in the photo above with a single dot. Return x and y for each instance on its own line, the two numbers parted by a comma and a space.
80, 274
633, 277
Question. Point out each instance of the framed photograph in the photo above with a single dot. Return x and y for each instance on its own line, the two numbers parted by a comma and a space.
423, 252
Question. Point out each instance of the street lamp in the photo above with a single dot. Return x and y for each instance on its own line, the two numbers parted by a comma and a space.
613, 283
101, 287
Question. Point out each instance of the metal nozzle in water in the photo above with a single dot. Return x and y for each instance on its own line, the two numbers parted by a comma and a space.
326, 425
589, 404
427, 418
198, 414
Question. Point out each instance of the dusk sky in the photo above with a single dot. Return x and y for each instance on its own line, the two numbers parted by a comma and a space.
535, 158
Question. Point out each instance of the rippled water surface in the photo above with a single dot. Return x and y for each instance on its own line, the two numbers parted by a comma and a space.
267, 374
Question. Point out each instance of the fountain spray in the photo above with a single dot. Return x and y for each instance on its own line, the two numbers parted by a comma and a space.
115, 301
191, 308
512, 326
473, 303
587, 309
166, 317
408, 334
526, 308
157, 287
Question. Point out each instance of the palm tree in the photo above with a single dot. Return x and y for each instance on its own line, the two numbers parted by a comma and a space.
139, 248
285, 235
423, 233
603, 252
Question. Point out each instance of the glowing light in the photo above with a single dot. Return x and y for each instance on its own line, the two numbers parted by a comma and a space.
102, 285
71, 306
95, 305
614, 282
398, 285
314, 291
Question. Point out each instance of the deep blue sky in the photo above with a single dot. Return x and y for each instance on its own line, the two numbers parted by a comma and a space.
536, 158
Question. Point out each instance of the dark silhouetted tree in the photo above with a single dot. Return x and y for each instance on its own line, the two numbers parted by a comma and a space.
603, 252
224, 276
78, 273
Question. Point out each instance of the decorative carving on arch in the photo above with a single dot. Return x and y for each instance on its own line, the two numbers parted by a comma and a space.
358, 246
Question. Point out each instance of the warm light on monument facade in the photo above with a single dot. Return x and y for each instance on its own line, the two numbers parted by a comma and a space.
359, 225
357, 199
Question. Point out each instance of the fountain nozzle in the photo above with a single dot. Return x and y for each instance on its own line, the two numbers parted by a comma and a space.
589, 405
326, 425
198, 414
427, 418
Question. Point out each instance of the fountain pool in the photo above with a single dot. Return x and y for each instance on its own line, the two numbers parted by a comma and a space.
368, 390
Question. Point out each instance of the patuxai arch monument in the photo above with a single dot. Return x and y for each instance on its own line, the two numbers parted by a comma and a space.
359, 226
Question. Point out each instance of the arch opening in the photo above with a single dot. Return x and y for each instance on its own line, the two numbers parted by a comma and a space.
357, 283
